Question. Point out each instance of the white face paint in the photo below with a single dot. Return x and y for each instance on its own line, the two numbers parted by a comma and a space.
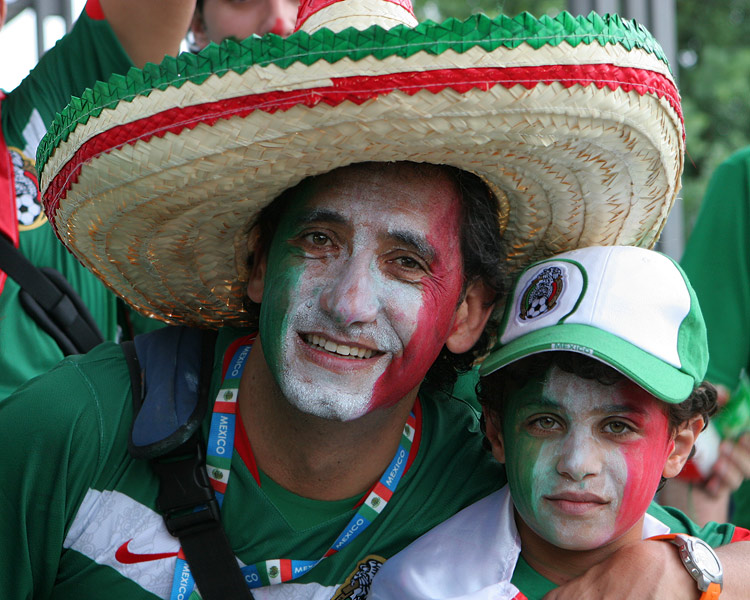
364, 276
583, 458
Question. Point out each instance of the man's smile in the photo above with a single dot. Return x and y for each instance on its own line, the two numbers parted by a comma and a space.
348, 350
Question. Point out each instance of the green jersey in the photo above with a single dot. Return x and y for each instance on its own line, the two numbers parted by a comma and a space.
81, 520
717, 262
89, 52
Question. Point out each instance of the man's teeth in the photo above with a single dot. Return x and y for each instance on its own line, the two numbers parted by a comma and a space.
341, 349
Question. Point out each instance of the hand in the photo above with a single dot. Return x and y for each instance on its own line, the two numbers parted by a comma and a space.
731, 468
645, 570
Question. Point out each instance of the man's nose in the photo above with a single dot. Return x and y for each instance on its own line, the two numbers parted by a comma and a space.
579, 456
351, 296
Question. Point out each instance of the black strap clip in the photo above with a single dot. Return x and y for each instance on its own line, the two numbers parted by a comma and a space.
186, 498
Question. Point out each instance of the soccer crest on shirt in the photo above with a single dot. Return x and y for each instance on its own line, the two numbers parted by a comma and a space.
28, 199
357, 585
542, 293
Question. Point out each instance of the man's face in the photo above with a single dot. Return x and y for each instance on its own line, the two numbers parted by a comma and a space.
583, 459
362, 282
239, 19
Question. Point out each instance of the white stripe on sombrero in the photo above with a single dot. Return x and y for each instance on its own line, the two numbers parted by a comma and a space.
360, 15
258, 80
121, 204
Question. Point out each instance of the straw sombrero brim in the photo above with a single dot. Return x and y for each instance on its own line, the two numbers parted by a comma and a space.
153, 179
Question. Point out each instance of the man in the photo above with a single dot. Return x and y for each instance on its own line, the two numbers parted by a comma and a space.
274, 179
109, 37
217, 20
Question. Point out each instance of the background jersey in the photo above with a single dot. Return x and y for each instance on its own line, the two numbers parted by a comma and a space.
80, 523
88, 53
717, 262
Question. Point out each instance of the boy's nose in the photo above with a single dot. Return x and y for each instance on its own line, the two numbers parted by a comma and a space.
579, 457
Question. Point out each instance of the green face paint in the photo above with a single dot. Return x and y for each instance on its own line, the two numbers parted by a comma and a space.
583, 459
362, 282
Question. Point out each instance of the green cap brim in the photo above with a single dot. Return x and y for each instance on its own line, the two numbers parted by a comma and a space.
662, 380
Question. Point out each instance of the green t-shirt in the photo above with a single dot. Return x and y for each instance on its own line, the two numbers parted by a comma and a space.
77, 516
89, 52
717, 262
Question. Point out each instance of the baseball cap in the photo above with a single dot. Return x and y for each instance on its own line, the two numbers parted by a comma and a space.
631, 308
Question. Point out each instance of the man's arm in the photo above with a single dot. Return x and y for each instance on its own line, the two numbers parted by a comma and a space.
652, 570
149, 29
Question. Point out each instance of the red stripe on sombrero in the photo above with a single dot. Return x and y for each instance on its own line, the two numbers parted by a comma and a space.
357, 90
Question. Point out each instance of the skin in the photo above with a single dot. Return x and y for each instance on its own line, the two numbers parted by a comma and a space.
238, 19
584, 460
360, 284
369, 263
3, 12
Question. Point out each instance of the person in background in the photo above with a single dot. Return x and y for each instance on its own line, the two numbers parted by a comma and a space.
717, 261
217, 20
110, 36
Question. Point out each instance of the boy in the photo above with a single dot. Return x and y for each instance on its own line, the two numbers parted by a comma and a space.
593, 397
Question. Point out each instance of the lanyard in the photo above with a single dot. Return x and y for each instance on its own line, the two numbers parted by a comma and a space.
218, 464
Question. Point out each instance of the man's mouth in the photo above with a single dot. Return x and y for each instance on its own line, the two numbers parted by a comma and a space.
339, 349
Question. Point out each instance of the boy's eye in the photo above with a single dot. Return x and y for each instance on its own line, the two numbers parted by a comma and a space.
544, 424
617, 427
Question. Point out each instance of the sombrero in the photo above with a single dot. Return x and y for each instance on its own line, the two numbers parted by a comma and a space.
152, 179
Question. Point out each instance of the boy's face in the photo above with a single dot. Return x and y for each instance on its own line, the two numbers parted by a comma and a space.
583, 459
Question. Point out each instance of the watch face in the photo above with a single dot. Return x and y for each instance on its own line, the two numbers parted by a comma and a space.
706, 560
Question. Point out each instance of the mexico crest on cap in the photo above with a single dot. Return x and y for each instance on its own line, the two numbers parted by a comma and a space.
542, 293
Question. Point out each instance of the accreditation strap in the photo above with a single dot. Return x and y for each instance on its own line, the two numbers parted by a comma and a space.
218, 464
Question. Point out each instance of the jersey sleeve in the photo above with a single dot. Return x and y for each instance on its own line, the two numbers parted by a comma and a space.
714, 534
90, 52
717, 262
53, 437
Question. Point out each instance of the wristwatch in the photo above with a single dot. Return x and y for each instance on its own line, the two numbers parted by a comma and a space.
701, 562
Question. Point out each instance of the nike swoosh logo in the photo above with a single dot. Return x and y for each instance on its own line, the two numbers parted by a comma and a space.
126, 557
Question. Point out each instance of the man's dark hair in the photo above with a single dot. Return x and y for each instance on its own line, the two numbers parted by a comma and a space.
481, 247
494, 389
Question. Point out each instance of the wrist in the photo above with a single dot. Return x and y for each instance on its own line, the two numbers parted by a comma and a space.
700, 562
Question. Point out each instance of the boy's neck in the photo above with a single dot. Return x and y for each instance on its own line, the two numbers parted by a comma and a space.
560, 565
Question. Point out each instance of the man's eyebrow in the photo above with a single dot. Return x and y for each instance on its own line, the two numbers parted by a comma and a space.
624, 408
321, 214
416, 241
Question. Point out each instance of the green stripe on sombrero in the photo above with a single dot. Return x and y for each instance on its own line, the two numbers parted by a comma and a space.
458, 36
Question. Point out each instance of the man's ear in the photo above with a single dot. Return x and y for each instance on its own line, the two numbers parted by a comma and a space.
494, 434
257, 274
471, 317
684, 440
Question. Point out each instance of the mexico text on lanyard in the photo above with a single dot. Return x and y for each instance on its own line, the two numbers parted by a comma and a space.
218, 463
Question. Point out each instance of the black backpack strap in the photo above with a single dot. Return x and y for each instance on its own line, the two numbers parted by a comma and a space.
186, 498
50, 300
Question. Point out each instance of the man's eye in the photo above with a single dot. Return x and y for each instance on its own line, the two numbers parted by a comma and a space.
617, 427
408, 263
318, 239
545, 423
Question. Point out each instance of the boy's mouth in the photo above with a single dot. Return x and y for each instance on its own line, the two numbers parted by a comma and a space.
576, 503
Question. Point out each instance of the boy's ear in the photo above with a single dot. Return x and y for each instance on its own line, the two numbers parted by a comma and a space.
684, 440
494, 434
471, 317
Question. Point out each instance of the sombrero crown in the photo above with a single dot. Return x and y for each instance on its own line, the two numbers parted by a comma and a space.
153, 179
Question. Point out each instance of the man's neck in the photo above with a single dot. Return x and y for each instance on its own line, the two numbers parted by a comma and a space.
560, 565
314, 457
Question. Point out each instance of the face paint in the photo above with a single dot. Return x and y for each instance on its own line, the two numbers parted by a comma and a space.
363, 279
583, 459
